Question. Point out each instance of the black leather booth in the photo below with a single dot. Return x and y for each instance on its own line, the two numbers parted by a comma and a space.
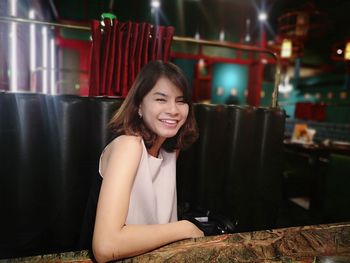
234, 169
49, 151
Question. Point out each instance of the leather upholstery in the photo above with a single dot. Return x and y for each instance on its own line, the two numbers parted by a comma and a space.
335, 194
235, 167
27, 191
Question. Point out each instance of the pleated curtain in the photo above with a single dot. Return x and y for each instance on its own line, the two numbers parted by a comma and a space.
120, 49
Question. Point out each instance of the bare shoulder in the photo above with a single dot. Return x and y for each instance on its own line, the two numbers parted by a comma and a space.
125, 144
126, 140
124, 150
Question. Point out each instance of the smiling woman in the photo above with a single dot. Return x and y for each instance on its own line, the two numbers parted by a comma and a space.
163, 110
137, 206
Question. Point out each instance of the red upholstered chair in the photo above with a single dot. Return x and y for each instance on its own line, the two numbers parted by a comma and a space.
303, 110
319, 112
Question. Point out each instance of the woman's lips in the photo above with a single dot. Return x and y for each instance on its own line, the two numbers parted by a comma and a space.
169, 122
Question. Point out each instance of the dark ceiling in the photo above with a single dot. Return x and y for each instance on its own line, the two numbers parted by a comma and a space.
208, 17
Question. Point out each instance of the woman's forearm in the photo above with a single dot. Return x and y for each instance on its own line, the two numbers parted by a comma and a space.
133, 240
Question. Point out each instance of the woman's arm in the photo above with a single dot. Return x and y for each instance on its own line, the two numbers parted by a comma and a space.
112, 238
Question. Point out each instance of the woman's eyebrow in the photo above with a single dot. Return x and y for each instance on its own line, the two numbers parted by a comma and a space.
157, 93
160, 94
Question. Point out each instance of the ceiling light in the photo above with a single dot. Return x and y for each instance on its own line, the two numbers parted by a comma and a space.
262, 16
155, 4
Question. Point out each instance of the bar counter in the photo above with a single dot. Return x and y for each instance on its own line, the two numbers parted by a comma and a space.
318, 243
318, 149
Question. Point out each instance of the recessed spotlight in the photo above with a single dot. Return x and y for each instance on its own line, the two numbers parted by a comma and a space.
262, 16
155, 3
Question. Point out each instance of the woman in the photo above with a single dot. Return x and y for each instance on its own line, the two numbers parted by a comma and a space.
137, 208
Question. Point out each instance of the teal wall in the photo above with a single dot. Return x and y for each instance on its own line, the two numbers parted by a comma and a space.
227, 77
313, 89
266, 99
317, 90
187, 66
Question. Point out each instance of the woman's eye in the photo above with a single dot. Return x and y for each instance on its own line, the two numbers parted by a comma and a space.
160, 99
181, 101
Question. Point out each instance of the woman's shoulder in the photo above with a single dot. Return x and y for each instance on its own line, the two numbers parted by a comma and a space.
126, 139
125, 142
124, 146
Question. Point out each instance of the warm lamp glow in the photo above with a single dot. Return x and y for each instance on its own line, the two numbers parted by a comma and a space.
302, 24
347, 51
201, 63
286, 49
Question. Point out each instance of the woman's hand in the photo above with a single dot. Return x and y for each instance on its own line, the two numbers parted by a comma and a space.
192, 230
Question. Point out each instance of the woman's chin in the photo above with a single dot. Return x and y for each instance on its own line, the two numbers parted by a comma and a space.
168, 134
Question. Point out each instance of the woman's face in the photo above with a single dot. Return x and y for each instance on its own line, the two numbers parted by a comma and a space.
163, 109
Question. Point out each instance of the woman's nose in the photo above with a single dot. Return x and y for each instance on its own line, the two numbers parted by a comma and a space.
173, 108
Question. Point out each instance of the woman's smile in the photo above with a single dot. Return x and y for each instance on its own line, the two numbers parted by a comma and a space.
170, 122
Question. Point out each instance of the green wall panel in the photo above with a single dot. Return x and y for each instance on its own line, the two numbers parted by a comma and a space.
227, 77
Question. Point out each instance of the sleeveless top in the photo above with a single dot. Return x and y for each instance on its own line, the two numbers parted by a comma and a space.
153, 198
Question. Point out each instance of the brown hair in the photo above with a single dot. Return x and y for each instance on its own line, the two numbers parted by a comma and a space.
127, 121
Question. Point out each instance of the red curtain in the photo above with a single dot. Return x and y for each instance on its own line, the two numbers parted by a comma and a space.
120, 49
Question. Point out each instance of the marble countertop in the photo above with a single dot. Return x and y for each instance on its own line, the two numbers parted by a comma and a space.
319, 243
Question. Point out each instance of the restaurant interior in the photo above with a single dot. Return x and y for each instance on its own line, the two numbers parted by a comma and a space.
270, 84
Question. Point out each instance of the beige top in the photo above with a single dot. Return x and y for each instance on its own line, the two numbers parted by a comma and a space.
153, 198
